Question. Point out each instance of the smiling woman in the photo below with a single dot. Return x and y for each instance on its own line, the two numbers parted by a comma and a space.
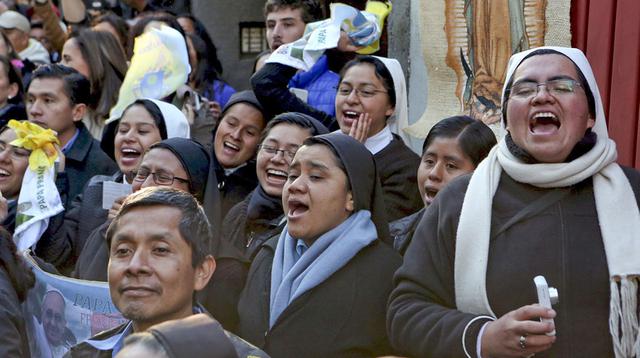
13, 163
176, 162
328, 268
370, 99
548, 200
143, 123
232, 176
259, 216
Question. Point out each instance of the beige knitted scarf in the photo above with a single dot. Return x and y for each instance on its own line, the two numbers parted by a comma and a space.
618, 217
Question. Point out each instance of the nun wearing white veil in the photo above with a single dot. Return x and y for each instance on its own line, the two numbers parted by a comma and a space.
549, 200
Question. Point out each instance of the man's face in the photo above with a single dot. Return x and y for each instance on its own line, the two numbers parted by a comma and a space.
39, 35
548, 125
151, 276
49, 106
52, 317
283, 26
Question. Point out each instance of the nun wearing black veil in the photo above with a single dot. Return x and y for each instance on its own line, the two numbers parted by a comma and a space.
329, 271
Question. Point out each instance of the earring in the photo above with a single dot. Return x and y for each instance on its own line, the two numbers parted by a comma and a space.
10, 97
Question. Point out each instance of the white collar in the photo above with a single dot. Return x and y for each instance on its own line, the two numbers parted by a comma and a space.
379, 141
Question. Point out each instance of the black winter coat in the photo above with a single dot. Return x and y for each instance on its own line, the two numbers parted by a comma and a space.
71, 229
84, 160
561, 242
248, 237
402, 230
341, 317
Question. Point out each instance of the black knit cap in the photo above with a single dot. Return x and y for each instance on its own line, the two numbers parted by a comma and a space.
195, 336
247, 97
194, 160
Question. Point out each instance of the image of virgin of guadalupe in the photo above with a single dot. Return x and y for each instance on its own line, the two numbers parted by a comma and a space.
481, 37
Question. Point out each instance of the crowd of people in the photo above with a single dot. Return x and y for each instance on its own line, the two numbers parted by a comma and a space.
291, 220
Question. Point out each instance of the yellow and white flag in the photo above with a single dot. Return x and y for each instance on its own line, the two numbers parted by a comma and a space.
39, 198
160, 64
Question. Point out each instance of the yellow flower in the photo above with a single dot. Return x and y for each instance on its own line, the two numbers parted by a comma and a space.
41, 142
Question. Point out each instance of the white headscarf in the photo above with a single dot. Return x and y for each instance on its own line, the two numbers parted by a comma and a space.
399, 119
618, 216
174, 120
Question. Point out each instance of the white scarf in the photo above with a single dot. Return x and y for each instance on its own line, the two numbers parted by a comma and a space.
399, 119
618, 217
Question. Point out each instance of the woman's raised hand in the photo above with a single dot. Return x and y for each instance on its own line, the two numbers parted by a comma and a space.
360, 128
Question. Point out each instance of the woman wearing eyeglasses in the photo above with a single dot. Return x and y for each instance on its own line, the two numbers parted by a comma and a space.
259, 216
142, 124
371, 95
176, 162
179, 163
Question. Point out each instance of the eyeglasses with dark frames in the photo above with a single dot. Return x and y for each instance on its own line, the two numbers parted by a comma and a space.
288, 154
158, 178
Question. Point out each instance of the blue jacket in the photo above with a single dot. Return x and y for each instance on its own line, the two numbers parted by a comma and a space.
218, 91
321, 84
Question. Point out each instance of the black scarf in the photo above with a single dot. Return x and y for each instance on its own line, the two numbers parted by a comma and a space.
263, 206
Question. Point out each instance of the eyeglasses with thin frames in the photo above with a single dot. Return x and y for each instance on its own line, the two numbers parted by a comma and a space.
288, 154
360, 92
158, 178
557, 88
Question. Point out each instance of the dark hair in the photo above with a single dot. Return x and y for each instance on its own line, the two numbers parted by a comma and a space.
21, 276
107, 65
205, 72
155, 113
381, 71
546, 51
119, 24
299, 119
311, 9
194, 226
474, 137
14, 77
76, 86
211, 50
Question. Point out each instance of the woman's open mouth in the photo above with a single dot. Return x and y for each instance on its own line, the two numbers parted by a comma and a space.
276, 177
544, 123
296, 209
130, 156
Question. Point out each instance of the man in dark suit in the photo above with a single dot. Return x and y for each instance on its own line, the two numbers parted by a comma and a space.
58, 98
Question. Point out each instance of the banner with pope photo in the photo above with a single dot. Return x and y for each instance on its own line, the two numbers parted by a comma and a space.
60, 312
